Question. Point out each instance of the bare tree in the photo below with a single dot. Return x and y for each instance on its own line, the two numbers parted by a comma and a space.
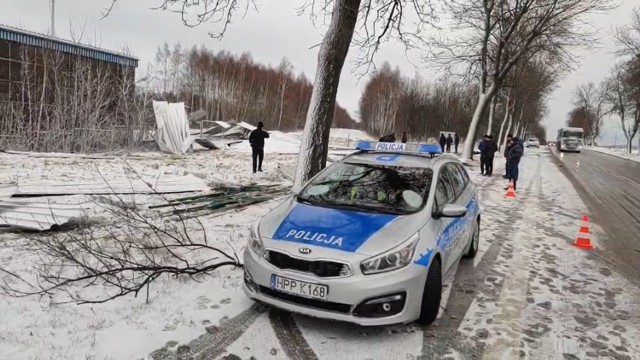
490, 38
624, 100
592, 99
627, 80
628, 37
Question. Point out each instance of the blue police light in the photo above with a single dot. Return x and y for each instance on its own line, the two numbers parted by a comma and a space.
431, 149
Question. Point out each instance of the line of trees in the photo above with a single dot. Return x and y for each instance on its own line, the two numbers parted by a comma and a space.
230, 87
393, 103
617, 97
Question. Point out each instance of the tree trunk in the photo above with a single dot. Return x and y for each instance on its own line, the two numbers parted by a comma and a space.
507, 110
331, 57
469, 140
492, 111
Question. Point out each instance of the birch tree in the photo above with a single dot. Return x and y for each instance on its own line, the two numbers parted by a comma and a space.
489, 38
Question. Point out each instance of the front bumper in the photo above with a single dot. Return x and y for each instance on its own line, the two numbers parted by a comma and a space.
346, 295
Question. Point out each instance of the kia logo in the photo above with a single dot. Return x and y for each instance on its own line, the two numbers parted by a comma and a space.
304, 251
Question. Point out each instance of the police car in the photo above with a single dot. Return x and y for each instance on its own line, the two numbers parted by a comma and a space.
369, 239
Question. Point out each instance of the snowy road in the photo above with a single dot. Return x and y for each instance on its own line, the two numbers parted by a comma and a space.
610, 187
529, 294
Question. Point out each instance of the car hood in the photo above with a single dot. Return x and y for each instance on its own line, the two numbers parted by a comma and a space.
343, 231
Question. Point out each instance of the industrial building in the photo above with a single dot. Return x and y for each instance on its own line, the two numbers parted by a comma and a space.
51, 87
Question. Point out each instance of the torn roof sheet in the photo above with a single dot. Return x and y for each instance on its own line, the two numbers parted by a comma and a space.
134, 185
39, 216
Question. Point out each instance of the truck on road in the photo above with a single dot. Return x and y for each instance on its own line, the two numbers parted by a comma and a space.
570, 139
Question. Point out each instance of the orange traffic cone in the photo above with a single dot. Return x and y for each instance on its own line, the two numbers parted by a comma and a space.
583, 240
510, 192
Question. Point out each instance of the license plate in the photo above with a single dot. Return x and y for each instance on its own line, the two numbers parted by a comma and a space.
301, 288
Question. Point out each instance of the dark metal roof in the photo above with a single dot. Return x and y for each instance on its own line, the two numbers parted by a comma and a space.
65, 46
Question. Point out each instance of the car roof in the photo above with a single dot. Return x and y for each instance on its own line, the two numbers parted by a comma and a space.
399, 159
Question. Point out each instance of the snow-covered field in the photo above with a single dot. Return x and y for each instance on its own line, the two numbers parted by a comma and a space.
178, 309
622, 153
527, 291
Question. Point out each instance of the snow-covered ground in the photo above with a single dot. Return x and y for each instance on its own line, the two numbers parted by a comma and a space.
178, 310
622, 153
527, 291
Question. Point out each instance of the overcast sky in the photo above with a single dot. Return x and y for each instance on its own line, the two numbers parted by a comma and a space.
274, 32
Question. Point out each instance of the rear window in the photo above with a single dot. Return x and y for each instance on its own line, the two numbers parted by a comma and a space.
367, 187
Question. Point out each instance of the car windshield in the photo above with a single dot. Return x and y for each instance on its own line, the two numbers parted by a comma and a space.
533, 139
374, 188
569, 134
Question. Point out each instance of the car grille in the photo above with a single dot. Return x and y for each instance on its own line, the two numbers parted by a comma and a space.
302, 301
320, 268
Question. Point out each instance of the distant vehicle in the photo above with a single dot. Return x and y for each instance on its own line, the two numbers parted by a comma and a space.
533, 142
369, 239
570, 139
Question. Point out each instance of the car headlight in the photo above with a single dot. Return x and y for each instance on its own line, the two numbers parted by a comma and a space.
393, 259
255, 243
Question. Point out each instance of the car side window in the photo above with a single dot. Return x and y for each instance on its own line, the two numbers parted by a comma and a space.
457, 179
445, 193
465, 174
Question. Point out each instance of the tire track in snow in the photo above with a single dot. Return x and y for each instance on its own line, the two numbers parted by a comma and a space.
289, 336
215, 342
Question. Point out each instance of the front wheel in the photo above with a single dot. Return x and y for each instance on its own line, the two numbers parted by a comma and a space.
474, 241
432, 294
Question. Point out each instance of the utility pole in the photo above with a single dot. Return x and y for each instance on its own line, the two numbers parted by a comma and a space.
53, 17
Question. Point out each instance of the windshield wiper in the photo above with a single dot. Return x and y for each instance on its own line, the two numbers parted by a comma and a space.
319, 201
367, 208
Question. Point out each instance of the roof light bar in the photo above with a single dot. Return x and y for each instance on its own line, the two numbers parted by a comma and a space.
431, 149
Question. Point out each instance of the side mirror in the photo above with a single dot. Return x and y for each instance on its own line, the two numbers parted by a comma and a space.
453, 211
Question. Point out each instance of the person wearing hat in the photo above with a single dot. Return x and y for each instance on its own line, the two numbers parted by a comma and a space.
256, 140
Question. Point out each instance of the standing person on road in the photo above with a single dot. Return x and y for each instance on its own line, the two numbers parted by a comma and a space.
482, 147
506, 152
456, 141
516, 150
443, 142
449, 142
404, 137
490, 152
256, 140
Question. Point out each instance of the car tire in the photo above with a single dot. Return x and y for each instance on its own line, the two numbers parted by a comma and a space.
474, 242
432, 294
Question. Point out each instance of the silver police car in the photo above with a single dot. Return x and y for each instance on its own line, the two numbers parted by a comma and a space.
369, 239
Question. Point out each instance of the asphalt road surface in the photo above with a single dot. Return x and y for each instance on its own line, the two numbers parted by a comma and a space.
610, 187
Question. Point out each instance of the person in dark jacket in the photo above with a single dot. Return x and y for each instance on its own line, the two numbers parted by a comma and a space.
449, 142
490, 153
516, 150
256, 140
404, 137
456, 141
483, 148
443, 142
388, 138
506, 151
